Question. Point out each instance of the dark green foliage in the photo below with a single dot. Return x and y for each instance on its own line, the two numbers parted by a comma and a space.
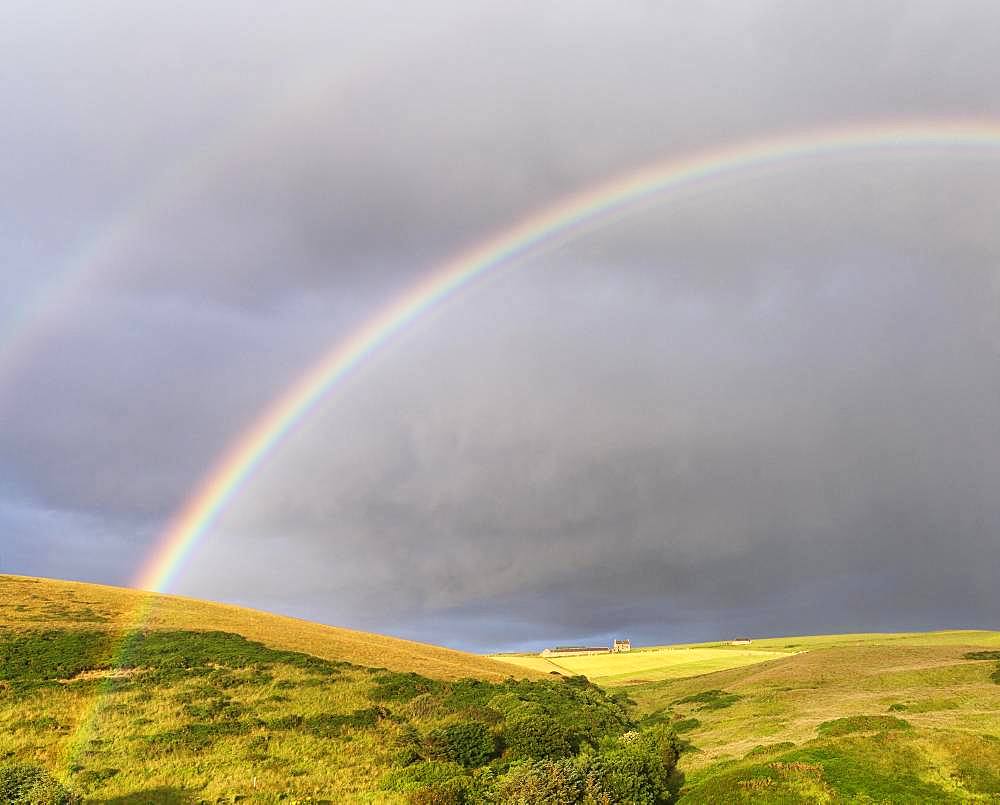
174, 652
763, 750
845, 726
580, 712
535, 737
711, 699
398, 687
542, 782
196, 737
421, 775
94, 777
24, 784
36, 658
31, 659
330, 725
685, 725
468, 743
638, 769
469, 693
214, 708
448, 793
290, 722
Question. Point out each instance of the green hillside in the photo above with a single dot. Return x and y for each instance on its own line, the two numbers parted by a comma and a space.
207, 703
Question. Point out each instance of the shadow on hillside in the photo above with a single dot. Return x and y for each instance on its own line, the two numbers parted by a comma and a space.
154, 796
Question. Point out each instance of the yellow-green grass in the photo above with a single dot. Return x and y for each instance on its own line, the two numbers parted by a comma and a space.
32, 604
641, 666
164, 735
951, 703
755, 727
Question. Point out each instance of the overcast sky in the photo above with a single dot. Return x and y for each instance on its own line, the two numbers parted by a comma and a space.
769, 404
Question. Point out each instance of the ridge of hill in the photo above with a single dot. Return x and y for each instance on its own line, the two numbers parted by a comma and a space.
30, 603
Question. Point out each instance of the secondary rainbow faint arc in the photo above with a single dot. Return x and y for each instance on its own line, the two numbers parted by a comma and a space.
564, 218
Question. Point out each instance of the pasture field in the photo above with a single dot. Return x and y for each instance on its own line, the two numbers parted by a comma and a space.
898, 718
645, 665
869, 717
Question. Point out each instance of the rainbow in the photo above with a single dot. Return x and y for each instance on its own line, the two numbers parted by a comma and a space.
551, 226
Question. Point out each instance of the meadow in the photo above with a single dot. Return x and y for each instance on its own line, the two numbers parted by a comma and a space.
213, 704
645, 665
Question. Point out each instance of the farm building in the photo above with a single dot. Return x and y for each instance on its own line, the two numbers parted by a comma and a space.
620, 646
740, 641
575, 650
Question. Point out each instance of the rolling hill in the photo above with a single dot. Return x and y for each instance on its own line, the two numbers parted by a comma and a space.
37, 604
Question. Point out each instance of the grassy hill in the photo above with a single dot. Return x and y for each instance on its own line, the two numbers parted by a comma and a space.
208, 703
36, 604
894, 717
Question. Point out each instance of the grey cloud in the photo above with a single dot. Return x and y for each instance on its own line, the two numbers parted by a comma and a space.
765, 403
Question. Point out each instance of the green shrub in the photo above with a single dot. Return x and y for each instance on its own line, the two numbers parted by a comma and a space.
541, 783
398, 687
469, 743
421, 775
762, 750
845, 726
25, 784
536, 737
452, 792
711, 699
637, 770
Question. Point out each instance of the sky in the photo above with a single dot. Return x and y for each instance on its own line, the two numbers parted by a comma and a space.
765, 404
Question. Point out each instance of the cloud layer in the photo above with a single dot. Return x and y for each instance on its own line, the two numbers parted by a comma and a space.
765, 404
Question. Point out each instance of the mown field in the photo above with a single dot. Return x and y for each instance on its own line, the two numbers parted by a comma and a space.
645, 665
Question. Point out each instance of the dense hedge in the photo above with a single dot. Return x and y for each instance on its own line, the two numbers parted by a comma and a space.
25, 784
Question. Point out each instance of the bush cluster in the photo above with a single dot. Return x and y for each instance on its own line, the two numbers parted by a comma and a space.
25, 784
635, 767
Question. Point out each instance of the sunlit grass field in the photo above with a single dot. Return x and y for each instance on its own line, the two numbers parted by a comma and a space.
646, 665
868, 717
251, 719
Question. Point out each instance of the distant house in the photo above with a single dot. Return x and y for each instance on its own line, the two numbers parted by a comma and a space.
740, 641
620, 646
575, 650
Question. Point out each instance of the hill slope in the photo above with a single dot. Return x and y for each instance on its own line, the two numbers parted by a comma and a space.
897, 717
196, 703
37, 604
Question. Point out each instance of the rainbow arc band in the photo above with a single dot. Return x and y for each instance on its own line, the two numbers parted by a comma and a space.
564, 220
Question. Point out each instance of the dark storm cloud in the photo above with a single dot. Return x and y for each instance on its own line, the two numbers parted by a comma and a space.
768, 404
